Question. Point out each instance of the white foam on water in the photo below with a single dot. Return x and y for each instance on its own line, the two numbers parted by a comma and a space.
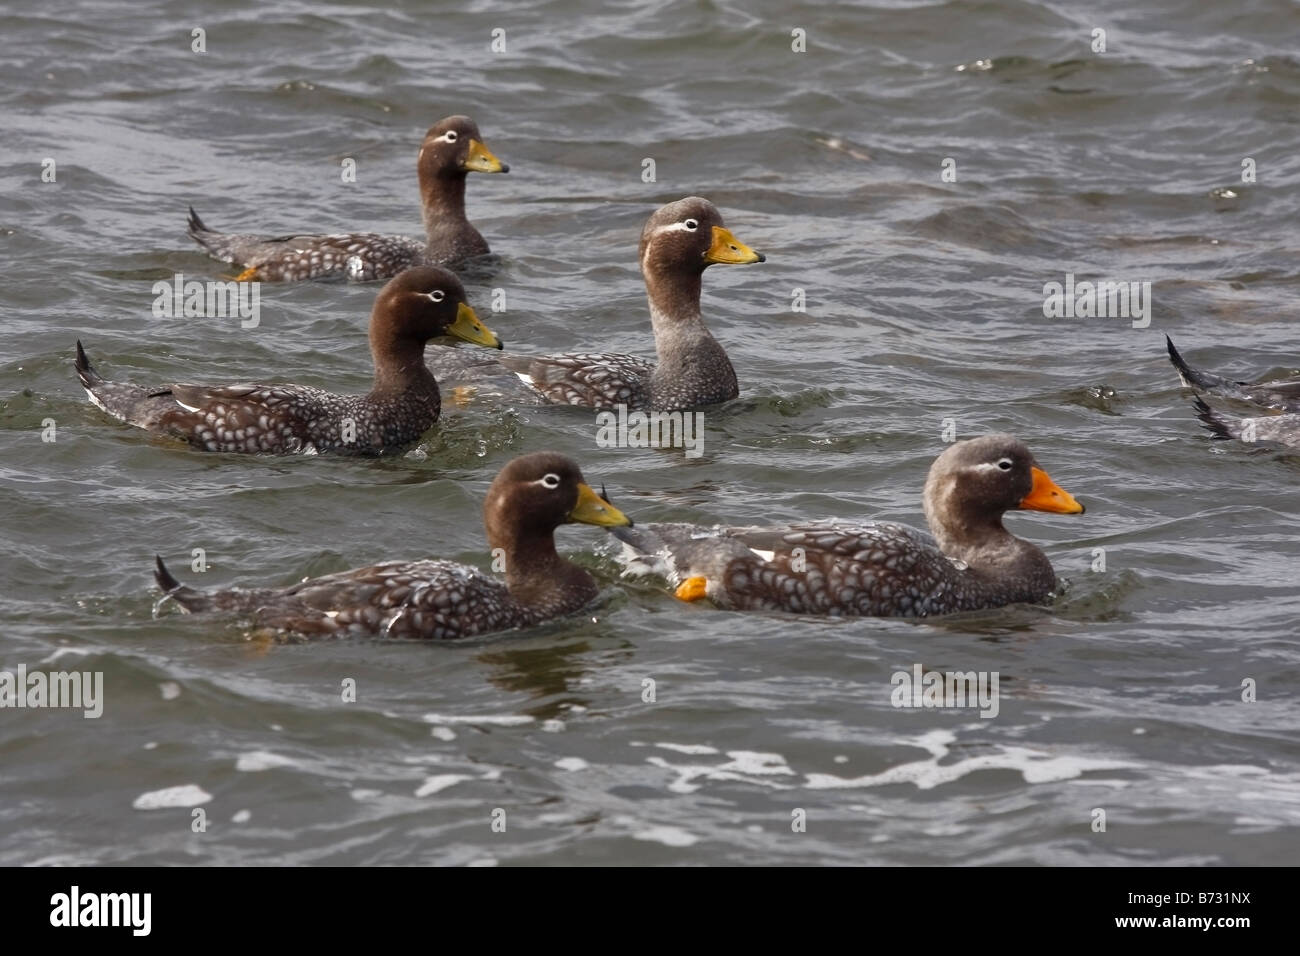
241, 816
442, 781
60, 652
1103, 782
1035, 766
258, 760
668, 836
692, 749
499, 720
753, 762
746, 766
572, 763
443, 733
186, 795
169, 689
553, 726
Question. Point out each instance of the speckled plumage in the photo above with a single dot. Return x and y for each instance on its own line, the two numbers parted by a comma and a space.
678, 243
439, 600
430, 600
1283, 395
881, 569
298, 419
361, 257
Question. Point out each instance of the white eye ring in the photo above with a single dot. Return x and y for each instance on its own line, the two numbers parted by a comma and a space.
437, 295
450, 136
1005, 464
550, 480
691, 224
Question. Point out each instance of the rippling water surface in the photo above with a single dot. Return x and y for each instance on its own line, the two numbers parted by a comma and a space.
924, 303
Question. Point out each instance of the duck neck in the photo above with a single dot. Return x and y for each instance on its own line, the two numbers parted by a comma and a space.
443, 198
400, 368
537, 576
1009, 565
693, 369
965, 538
681, 337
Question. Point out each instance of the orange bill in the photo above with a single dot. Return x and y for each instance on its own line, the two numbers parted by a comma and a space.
1047, 495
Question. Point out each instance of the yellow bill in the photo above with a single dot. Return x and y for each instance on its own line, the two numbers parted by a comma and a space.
728, 250
481, 160
468, 327
593, 509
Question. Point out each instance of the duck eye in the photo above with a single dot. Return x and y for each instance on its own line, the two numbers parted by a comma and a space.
691, 224
437, 295
450, 136
550, 480
1005, 464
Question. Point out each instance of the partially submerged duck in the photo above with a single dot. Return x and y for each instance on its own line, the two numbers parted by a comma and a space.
452, 149
871, 568
1283, 395
1284, 429
438, 600
419, 305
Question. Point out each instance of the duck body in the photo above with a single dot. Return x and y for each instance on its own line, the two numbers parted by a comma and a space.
268, 419
1283, 429
879, 569
356, 257
451, 150
437, 599
679, 241
404, 403
838, 569
425, 600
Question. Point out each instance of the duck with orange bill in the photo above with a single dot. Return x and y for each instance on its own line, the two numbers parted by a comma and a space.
844, 568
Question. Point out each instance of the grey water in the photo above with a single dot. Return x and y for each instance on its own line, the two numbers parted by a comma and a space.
649, 731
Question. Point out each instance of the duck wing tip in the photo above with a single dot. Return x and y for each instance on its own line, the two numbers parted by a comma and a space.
1219, 429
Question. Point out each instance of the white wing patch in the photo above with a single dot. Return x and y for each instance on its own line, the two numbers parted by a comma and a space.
94, 400
640, 564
